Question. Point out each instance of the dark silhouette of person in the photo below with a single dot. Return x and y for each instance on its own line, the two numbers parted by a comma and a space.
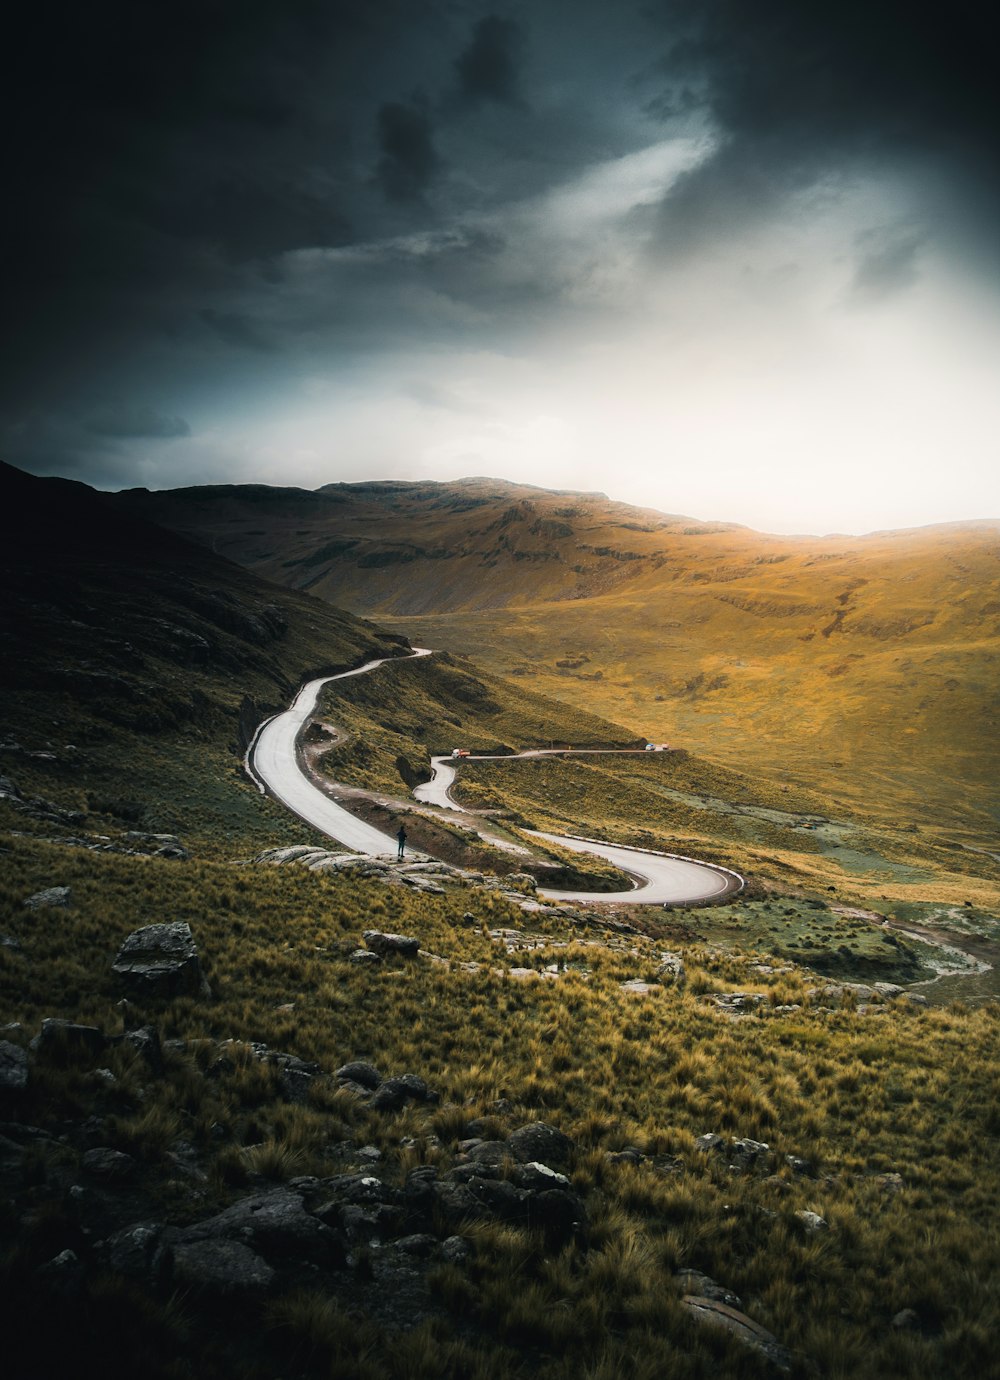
401, 840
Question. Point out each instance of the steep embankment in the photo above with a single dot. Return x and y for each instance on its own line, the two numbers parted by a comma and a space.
867, 667
133, 661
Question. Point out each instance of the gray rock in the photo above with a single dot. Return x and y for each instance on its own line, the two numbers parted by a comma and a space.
13, 1067
708, 1142
403, 945
746, 1154
51, 896
420, 1244
360, 1072
221, 1267
710, 1313
906, 1320
394, 1093
7, 941
538, 1178
110, 1165
492, 1152
455, 1250
799, 1165
671, 968
161, 961
693, 1282
479, 1200
63, 1274
521, 881
145, 1040
538, 1142
133, 1251
560, 1214
276, 1224
67, 1035
365, 958
812, 1221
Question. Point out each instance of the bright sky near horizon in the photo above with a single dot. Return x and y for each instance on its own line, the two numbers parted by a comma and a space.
734, 262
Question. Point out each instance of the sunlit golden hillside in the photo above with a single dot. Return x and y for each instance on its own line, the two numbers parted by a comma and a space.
866, 666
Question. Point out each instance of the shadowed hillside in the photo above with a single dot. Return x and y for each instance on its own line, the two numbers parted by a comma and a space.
865, 666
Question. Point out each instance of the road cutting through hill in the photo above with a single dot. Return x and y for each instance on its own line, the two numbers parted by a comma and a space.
272, 762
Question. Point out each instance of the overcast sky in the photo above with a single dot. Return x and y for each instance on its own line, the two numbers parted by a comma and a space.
734, 260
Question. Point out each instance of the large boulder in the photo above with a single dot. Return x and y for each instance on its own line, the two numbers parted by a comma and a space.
710, 1313
537, 1142
13, 1067
67, 1037
161, 961
221, 1267
51, 896
404, 945
275, 1224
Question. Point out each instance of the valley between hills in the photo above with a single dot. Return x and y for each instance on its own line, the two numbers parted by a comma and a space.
270, 1107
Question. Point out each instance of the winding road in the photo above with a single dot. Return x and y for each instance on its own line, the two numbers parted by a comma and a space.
272, 763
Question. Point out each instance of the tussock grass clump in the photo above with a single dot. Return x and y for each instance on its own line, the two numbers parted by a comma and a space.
856, 1097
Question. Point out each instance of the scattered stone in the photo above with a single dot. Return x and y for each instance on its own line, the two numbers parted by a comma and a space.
420, 1244
276, 1224
361, 1072
745, 1154
133, 1251
63, 1274
671, 966
7, 941
56, 1034
393, 1093
630, 1155
538, 1178
539, 1143
370, 1153
799, 1166
890, 1183
110, 1165
735, 1003
708, 1142
161, 961
906, 1320
520, 881
455, 1250
51, 896
812, 1221
637, 988
13, 1067
221, 1267
708, 1312
365, 958
145, 1040
404, 945
693, 1282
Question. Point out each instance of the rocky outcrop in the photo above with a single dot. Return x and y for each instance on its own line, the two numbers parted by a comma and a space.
51, 896
405, 946
711, 1313
539, 1142
161, 961
13, 1067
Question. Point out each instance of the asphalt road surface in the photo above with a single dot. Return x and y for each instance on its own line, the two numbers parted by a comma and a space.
272, 762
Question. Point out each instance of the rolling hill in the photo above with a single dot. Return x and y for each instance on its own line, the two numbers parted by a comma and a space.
865, 667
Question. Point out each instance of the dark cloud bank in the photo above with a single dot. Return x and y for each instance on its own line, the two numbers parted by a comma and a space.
165, 158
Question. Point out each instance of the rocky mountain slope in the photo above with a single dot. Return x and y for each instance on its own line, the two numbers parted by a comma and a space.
266, 1111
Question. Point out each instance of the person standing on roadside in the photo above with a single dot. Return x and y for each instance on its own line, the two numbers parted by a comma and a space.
401, 840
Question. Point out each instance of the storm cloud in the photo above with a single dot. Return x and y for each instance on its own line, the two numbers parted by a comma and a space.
295, 226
